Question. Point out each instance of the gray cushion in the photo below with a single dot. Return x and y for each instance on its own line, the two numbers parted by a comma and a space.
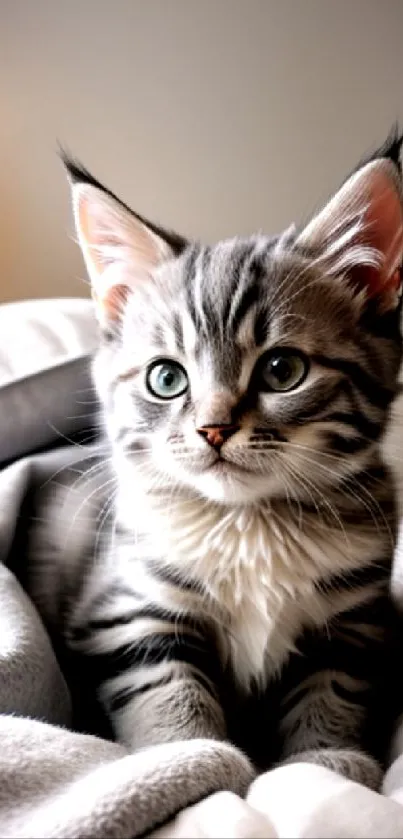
46, 392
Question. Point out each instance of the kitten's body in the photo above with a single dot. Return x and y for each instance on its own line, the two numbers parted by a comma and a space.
242, 562
245, 594
252, 572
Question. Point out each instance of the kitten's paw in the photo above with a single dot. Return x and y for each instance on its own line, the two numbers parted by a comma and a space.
352, 763
202, 763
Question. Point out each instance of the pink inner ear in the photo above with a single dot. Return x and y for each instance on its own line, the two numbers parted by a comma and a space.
113, 300
384, 231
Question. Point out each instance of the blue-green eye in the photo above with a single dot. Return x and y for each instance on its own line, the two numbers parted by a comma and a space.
166, 379
283, 369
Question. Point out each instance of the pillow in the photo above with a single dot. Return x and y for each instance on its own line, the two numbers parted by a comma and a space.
46, 392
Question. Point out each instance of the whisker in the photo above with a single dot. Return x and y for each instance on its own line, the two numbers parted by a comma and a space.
68, 466
371, 504
65, 436
102, 519
85, 501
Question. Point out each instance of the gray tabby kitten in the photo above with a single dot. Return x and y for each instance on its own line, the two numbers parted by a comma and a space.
243, 592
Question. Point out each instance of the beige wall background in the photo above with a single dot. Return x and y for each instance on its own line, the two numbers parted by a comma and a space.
211, 116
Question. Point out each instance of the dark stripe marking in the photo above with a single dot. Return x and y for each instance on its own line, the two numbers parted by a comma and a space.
151, 611
357, 420
178, 332
356, 578
373, 390
359, 696
346, 445
189, 275
261, 326
235, 268
155, 649
125, 695
173, 577
249, 297
316, 404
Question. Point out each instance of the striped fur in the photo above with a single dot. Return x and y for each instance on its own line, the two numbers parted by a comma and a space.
247, 596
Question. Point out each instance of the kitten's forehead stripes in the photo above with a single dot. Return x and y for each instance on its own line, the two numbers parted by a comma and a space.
178, 333
234, 267
226, 298
189, 276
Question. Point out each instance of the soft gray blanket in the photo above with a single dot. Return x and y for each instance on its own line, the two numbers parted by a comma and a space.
59, 782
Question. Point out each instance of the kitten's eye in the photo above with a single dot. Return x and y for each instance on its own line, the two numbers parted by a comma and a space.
166, 379
283, 369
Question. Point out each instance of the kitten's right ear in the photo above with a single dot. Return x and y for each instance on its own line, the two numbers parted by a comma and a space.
358, 235
120, 248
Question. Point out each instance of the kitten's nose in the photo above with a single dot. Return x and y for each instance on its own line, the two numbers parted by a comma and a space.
217, 435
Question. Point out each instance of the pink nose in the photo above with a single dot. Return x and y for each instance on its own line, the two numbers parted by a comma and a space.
217, 435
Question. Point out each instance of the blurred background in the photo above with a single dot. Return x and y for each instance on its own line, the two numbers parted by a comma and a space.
214, 117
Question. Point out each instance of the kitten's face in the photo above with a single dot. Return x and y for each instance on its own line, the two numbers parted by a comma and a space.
254, 368
231, 375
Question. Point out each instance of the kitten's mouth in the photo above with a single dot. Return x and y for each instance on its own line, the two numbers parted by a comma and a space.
224, 467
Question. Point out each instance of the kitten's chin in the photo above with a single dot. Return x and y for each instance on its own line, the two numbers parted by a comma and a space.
221, 481
229, 486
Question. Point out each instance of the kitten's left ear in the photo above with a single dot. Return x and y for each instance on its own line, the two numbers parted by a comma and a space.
359, 233
121, 249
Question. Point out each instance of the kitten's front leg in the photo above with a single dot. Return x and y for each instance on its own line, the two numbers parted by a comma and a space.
178, 704
313, 739
330, 698
354, 764
157, 678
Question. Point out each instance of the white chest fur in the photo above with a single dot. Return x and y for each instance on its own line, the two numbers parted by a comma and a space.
259, 566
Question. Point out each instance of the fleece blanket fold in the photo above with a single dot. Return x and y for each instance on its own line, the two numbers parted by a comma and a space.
57, 782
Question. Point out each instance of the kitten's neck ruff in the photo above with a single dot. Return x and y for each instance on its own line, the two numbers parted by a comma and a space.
206, 538
257, 565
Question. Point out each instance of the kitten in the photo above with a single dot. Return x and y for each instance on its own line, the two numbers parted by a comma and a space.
246, 388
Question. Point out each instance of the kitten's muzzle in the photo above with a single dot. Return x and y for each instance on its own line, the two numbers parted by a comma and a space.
217, 435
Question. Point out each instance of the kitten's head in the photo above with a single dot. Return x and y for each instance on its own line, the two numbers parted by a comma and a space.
256, 367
